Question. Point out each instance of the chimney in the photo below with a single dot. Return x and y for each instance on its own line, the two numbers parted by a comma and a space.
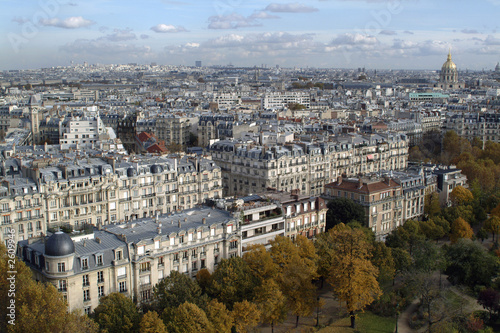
185, 219
179, 224
204, 220
360, 183
84, 243
45, 147
98, 240
339, 180
159, 228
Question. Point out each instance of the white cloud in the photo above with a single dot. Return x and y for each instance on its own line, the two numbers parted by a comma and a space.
290, 8
235, 21
353, 39
102, 48
388, 32
73, 22
470, 31
167, 28
120, 35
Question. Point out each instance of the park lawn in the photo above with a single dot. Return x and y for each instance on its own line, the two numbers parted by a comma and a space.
365, 322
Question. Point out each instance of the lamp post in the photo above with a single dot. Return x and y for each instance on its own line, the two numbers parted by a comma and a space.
397, 317
317, 311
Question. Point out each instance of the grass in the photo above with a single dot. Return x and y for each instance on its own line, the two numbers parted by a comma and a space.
365, 322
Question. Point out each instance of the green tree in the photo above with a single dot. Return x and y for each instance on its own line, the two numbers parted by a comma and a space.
232, 282
38, 306
117, 313
174, 290
402, 261
405, 236
187, 318
353, 277
174, 147
470, 264
246, 316
343, 210
152, 323
383, 260
220, 317
271, 302
432, 206
460, 229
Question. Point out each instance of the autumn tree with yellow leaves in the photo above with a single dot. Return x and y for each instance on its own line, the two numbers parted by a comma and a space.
353, 277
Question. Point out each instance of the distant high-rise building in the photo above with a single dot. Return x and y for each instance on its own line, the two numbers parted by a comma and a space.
197, 63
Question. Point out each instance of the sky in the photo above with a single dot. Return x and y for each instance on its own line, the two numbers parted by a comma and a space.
375, 34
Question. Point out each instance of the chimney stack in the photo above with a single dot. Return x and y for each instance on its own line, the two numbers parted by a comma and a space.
179, 224
339, 180
204, 220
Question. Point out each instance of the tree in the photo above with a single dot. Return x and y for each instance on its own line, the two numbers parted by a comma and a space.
489, 299
297, 262
187, 318
174, 147
383, 260
38, 306
232, 282
204, 279
117, 313
402, 261
271, 302
432, 207
260, 262
246, 316
174, 290
493, 225
353, 277
405, 236
220, 317
470, 264
343, 210
460, 229
152, 323
435, 228
461, 196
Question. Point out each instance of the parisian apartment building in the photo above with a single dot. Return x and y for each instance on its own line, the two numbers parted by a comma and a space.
45, 189
131, 258
307, 166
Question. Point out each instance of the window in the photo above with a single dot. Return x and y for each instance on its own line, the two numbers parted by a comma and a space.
100, 291
229, 229
190, 237
85, 263
172, 241
60, 267
160, 275
118, 255
203, 265
161, 261
145, 267
86, 295
181, 239
157, 244
123, 286
100, 277
140, 249
194, 266
88, 310
85, 280
233, 245
184, 255
62, 285
99, 260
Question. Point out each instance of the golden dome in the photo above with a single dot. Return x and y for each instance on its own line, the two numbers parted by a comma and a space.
449, 65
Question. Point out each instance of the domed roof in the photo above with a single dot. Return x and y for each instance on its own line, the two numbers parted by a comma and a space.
59, 245
449, 64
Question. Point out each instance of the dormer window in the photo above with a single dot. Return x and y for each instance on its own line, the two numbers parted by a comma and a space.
85, 263
99, 261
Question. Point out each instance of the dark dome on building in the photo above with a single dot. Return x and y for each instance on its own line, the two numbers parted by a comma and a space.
59, 245
131, 172
156, 168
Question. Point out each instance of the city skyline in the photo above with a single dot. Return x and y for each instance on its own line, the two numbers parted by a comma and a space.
375, 34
